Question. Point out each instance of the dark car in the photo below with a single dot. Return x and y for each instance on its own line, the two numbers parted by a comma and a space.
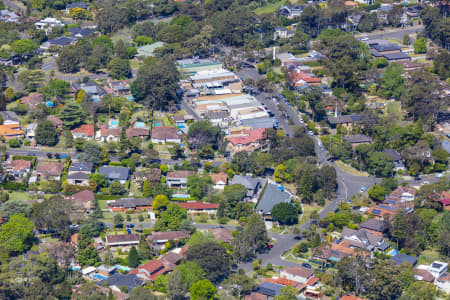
306, 265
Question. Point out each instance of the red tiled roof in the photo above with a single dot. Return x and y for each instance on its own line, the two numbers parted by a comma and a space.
252, 136
86, 129
19, 164
163, 133
198, 205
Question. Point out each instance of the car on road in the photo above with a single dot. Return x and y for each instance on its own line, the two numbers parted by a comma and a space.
363, 189
306, 265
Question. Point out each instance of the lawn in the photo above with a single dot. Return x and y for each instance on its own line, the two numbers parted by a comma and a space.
20, 196
348, 169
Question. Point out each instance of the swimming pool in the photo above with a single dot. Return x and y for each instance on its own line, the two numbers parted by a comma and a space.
157, 124
99, 277
122, 268
139, 125
393, 252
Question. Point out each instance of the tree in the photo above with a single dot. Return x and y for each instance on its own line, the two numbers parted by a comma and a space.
119, 68
93, 153
14, 207
72, 115
171, 218
420, 46
16, 235
46, 134
203, 290
160, 202
133, 258
251, 240
392, 83
212, 258
285, 213
156, 83
376, 192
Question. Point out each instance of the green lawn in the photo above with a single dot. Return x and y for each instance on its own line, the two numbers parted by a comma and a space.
19, 196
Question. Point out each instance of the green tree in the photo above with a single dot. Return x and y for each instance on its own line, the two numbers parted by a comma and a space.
16, 235
133, 258
46, 133
72, 115
171, 218
285, 213
203, 290
420, 46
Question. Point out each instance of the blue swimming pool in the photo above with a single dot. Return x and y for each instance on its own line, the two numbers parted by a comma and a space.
139, 125
393, 252
157, 124
99, 277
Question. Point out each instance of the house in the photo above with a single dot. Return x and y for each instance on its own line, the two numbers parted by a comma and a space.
8, 16
178, 179
150, 271
107, 135
18, 168
399, 259
282, 33
11, 131
9, 117
137, 132
252, 185
443, 283
373, 226
85, 131
298, 274
365, 240
78, 178
91, 88
196, 208
117, 281
130, 204
84, 167
290, 11
222, 234
218, 118
357, 139
112, 173
165, 135
158, 239
269, 289
119, 87
82, 5
273, 195
32, 99
56, 121
122, 240
30, 131
153, 175
50, 170
220, 180
84, 199
249, 141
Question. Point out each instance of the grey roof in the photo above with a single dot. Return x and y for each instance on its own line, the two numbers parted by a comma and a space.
249, 182
264, 122
373, 224
78, 175
393, 154
81, 167
115, 173
272, 196
131, 281
269, 288
9, 115
401, 258
396, 56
